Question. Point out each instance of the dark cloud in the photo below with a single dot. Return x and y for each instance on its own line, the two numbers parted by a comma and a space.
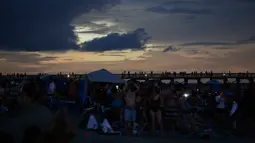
195, 51
246, 1
16, 57
180, 2
170, 48
187, 11
44, 25
194, 2
135, 40
114, 55
190, 18
240, 42
182, 7
207, 44
247, 41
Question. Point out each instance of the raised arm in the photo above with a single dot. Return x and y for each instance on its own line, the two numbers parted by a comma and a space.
137, 87
125, 87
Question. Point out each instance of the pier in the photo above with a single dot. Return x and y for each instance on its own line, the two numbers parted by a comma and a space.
225, 77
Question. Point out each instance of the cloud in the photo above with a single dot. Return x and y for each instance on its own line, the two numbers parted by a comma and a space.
240, 42
182, 7
180, 3
114, 55
195, 51
191, 2
17, 57
170, 48
43, 25
135, 40
96, 27
247, 41
253, 1
207, 44
96, 31
185, 11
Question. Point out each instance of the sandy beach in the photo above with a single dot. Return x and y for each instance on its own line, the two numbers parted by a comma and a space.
34, 114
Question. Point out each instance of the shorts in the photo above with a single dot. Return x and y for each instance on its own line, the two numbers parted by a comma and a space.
129, 114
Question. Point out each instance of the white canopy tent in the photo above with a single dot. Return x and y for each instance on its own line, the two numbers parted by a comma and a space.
104, 76
97, 76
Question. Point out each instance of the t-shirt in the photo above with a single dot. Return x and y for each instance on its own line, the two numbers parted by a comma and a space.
109, 92
51, 88
221, 102
233, 109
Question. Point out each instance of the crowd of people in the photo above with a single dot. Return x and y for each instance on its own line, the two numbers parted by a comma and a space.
160, 105
37, 91
154, 104
167, 74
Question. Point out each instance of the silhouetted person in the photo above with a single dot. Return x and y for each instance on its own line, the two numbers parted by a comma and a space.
6, 138
60, 130
32, 134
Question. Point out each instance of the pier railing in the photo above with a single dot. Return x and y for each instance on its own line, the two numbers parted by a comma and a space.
188, 75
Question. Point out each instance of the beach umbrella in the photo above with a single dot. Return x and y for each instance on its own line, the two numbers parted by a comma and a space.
214, 82
228, 93
45, 77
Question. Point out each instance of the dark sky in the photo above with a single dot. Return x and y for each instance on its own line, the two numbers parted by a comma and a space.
48, 36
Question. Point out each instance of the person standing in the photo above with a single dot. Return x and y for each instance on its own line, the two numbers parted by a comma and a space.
72, 90
51, 88
2, 91
51, 91
60, 129
220, 110
155, 110
220, 107
38, 92
130, 106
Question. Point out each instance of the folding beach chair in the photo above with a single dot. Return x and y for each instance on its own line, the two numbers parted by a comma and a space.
107, 129
104, 128
113, 115
201, 128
